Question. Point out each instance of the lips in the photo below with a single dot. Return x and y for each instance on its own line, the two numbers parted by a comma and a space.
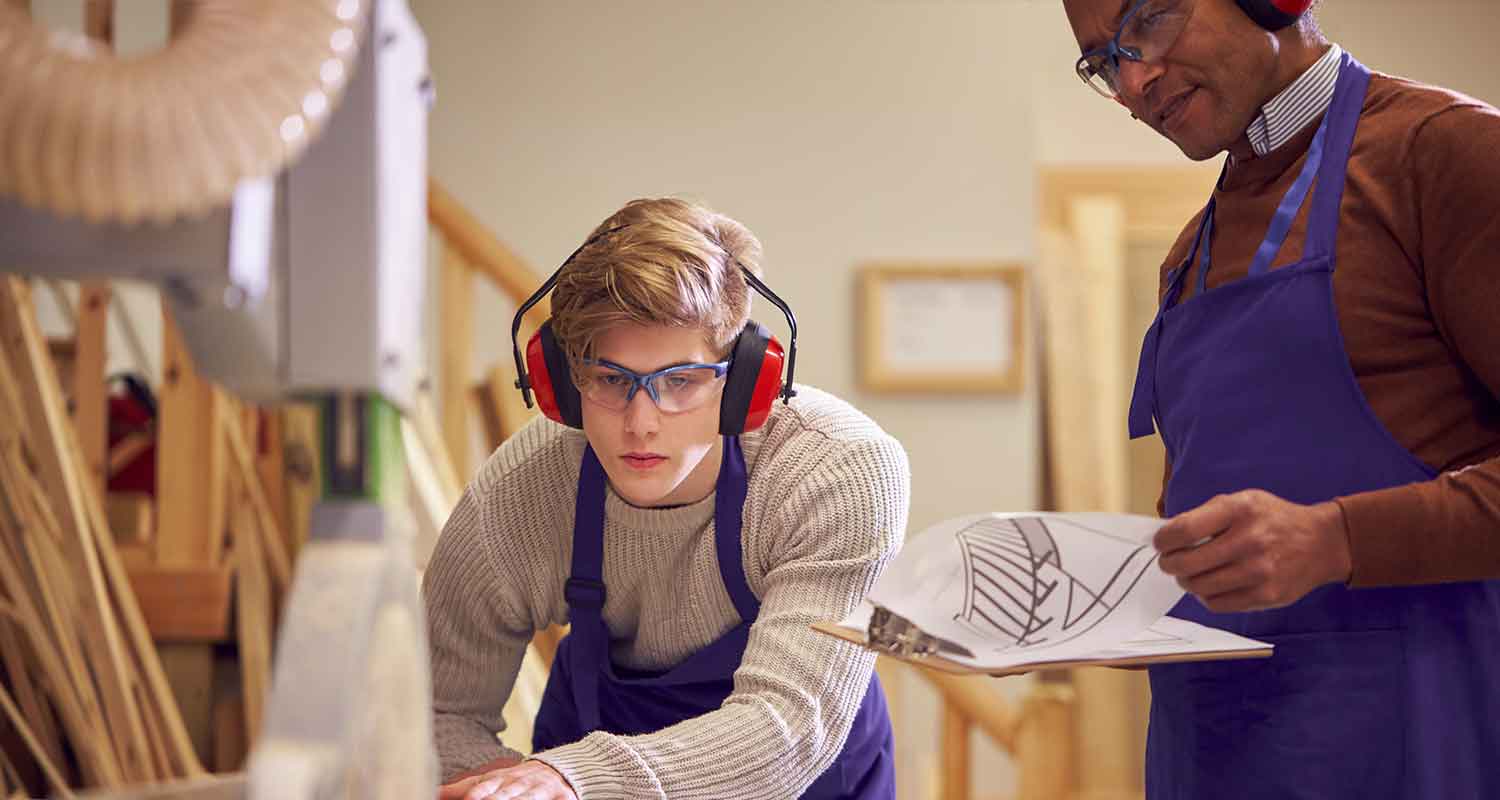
643, 461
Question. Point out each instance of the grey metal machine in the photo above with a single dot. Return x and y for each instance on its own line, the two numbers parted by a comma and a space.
294, 267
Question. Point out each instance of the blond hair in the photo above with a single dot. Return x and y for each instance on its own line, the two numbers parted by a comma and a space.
657, 261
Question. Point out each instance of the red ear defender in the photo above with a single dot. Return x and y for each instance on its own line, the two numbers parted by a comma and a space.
767, 386
556, 397
1273, 15
541, 381
753, 382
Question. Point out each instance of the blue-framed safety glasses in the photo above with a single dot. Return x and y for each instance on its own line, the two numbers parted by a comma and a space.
674, 389
1147, 33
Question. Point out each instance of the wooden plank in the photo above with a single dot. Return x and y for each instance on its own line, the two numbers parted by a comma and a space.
272, 546
184, 604
456, 340
90, 403
303, 469
190, 459
269, 448
253, 621
956, 770
130, 516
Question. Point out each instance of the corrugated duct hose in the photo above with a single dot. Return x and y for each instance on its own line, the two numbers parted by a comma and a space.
239, 92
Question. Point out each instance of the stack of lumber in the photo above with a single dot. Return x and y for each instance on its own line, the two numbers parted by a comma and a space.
84, 699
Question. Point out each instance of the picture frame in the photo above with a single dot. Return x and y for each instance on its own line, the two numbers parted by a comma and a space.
941, 329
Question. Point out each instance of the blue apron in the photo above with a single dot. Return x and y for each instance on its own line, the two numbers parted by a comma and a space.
1371, 693
587, 692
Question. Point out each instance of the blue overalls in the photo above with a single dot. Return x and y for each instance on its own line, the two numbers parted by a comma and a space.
1371, 693
586, 692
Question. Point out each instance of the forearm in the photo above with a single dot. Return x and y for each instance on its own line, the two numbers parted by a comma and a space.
478, 639
1443, 530
467, 748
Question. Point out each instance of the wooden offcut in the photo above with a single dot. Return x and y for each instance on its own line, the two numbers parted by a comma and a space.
184, 604
190, 459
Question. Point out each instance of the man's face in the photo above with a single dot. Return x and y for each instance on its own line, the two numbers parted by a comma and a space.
654, 458
1204, 92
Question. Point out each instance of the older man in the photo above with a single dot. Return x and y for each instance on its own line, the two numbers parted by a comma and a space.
1324, 373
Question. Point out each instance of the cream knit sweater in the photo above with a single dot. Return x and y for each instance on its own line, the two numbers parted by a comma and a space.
825, 512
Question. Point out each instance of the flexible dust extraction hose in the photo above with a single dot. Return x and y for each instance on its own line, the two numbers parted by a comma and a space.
238, 93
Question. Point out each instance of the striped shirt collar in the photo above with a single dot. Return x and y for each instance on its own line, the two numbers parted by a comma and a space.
1297, 105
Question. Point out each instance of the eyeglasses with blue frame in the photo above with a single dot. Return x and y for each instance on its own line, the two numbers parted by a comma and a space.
674, 389
1147, 33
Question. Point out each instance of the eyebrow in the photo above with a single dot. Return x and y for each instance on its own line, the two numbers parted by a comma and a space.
1114, 24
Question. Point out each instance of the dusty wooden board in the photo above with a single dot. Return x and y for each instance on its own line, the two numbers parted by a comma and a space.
303, 469
90, 404
184, 604
253, 620
190, 458
273, 544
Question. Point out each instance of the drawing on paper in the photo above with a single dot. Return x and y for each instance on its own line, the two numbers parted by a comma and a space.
1018, 592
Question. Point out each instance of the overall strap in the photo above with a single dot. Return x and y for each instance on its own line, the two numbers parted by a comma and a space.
1143, 396
1344, 110
729, 509
585, 591
1291, 203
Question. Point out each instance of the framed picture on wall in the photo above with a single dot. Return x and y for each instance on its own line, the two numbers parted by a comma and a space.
941, 329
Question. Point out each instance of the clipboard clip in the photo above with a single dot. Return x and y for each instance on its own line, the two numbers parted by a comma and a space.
896, 635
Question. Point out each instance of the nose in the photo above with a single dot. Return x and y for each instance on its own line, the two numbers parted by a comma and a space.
1135, 80
642, 417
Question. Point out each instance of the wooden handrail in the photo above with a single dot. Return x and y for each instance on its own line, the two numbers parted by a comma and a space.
1037, 736
480, 249
973, 698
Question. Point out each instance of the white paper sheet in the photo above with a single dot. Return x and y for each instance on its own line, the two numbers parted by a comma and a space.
1023, 588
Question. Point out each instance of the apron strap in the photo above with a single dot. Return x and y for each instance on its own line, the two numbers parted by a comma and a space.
1348, 101
585, 592
1291, 203
1143, 396
729, 508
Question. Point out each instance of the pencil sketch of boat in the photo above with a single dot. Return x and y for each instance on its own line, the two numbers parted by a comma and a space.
1019, 591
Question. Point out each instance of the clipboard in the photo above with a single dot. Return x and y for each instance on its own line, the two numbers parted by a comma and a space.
905, 642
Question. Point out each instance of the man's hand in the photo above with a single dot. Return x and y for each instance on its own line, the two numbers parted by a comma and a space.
1251, 550
531, 780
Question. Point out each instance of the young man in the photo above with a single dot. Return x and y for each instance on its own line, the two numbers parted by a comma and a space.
1325, 377
690, 559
